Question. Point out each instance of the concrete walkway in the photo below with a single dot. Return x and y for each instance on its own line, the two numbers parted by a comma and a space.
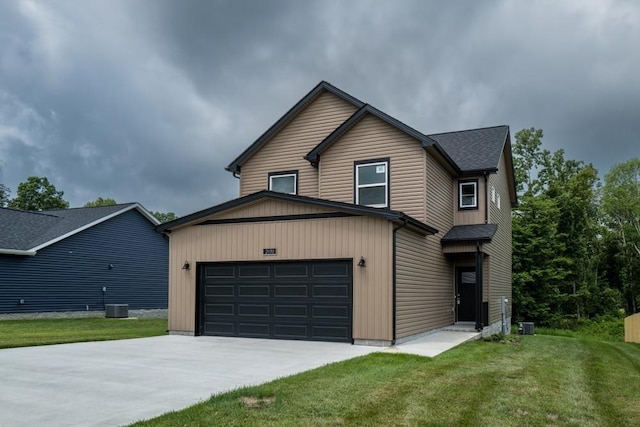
113, 383
435, 343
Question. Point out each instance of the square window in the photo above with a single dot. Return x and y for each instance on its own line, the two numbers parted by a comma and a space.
468, 195
372, 184
285, 182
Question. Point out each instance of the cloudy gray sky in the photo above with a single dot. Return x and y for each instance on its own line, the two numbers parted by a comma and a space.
149, 100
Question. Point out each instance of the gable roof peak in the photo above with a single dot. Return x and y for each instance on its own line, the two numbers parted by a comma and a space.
321, 87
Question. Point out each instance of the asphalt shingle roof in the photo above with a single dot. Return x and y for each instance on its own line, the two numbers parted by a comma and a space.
470, 233
475, 149
24, 230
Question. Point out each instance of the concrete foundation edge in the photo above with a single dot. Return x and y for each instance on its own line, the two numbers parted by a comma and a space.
159, 313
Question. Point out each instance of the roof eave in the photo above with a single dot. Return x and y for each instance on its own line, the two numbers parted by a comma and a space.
235, 165
17, 252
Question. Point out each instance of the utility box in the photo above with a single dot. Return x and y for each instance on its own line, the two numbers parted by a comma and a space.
116, 310
526, 328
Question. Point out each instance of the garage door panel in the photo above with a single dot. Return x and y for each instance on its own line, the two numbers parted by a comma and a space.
331, 312
220, 290
291, 270
290, 291
219, 328
331, 270
254, 310
254, 290
220, 309
255, 271
339, 290
292, 332
288, 310
320, 332
299, 300
220, 272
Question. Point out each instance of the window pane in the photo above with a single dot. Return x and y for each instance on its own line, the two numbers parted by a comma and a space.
283, 184
372, 174
468, 201
372, 196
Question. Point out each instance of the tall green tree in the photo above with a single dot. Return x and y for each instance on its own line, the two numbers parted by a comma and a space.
5, 194
100, 202
164, 216
554, 233
621, 209
38, 194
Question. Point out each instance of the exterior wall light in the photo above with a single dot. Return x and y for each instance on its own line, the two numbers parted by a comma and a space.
186, 265
362, 262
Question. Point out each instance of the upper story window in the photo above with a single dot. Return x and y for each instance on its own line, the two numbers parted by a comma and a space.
372, 183
468, 194
284, 182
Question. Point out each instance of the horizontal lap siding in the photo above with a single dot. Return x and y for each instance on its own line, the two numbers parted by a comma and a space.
424, 294
424, 277
70, 274
345, 238
500, 247
286, 150
371, 138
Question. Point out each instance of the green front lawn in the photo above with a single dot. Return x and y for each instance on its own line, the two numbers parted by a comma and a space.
534, 380
24, 333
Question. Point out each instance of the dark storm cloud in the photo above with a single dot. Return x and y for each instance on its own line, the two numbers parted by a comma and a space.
150, 100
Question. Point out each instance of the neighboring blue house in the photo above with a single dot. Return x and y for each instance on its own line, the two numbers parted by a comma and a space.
81, 259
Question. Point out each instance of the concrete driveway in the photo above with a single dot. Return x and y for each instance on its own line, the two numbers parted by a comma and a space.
113, 383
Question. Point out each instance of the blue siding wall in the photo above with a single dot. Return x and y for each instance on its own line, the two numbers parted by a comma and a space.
69, 275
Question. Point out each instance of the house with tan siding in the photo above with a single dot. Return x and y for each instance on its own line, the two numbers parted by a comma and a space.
350, 226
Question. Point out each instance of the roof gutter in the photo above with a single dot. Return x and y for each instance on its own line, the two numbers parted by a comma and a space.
17, 252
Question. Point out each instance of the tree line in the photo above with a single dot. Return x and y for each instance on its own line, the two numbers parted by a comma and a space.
576, 240
38, 194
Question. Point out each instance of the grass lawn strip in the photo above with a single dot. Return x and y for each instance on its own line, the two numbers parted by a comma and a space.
24, 333
542, 380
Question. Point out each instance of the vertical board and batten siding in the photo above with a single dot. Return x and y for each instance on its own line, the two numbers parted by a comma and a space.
424, 291
500, 247
470, 216
69, 275
286, 150
371, 138
265, 208
318, 239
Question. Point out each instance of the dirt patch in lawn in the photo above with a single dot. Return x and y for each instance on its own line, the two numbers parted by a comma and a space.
257, 402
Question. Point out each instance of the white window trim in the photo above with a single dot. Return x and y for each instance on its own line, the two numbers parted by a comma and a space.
498, 200
493, 194
284, 175
385, 185
475, 192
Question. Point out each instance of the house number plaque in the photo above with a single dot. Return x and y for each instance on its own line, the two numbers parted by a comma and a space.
269, 251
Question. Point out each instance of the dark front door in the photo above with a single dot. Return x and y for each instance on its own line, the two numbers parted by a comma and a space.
466, 294
286, 300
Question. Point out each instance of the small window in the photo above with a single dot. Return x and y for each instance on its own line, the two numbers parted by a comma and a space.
468, 195
372, 184
284, 182
498, 201
493, 194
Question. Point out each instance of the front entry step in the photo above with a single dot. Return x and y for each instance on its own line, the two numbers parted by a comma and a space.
460, 327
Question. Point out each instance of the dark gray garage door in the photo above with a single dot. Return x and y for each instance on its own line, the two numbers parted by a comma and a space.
286, 300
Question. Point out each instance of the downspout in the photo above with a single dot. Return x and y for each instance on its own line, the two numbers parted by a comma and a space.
486, 199
394, 284
479, 259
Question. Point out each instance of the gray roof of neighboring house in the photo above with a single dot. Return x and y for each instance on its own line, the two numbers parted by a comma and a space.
475, 149
27, 231
470, 233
